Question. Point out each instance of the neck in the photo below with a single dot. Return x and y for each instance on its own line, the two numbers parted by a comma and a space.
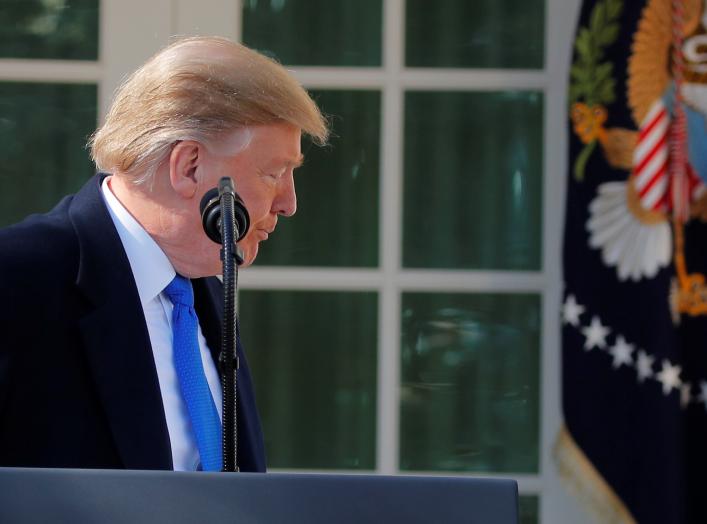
152, 210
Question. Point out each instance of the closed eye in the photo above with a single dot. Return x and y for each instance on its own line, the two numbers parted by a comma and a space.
277, 175
274, 175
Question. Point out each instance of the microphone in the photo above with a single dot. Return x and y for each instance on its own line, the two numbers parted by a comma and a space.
210, 207
226, 221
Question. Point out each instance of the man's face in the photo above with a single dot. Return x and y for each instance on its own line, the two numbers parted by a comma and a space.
263, 177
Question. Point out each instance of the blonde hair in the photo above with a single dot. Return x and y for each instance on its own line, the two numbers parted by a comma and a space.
197, 89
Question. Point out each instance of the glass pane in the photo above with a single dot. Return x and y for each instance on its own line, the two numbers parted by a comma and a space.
313, 358
528, 511
337, 190
482, 33
43, 134
470, 382
64, 29
315, 32
473, 180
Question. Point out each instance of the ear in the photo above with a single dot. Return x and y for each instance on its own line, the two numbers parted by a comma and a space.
183, 163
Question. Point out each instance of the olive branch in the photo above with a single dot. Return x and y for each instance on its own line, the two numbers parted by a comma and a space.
591, 78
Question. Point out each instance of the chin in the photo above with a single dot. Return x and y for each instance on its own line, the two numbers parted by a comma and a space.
249, 253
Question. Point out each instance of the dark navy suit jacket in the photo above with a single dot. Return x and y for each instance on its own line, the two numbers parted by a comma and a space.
78, 385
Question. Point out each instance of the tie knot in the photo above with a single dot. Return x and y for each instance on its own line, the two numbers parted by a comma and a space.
179, 291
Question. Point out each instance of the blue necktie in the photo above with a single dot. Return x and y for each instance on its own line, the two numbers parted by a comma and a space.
190, 372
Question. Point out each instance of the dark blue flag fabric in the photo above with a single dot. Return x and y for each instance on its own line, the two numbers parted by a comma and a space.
634, 315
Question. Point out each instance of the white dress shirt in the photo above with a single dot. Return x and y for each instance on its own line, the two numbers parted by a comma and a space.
153, 271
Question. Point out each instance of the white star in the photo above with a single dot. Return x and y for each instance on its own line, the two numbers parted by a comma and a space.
595, 335
644, 366
621, 352
571, 311
685, 394
669, 376
702, 397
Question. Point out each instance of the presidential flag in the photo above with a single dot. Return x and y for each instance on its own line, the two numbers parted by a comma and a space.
634, 315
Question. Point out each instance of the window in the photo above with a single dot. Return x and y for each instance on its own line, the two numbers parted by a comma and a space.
47, 108
416, 255
405, 321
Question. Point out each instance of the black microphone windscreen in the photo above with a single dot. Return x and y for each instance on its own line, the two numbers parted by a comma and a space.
210, 207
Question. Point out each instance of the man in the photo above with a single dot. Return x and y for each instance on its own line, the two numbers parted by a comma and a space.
96, 321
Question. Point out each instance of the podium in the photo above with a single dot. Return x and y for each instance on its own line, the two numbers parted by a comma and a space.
114, 496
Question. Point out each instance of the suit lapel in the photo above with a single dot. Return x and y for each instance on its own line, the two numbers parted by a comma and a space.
116, 337
208, 300
208, 303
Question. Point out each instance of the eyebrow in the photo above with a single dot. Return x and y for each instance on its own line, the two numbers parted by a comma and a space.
293, 164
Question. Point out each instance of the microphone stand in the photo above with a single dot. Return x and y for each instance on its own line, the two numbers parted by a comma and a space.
228, 359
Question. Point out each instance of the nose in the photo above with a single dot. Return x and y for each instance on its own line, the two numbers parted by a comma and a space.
285, 202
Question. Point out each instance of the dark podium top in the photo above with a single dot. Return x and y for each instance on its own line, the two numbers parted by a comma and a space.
78, 496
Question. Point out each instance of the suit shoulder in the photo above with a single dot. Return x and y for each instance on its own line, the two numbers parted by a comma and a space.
39, 243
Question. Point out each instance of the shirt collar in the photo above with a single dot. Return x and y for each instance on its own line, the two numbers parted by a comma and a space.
151, 268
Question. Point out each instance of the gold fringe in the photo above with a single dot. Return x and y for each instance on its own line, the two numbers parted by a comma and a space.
586, 482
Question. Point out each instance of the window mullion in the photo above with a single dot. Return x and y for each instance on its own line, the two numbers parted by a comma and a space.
127, 40
387, 442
